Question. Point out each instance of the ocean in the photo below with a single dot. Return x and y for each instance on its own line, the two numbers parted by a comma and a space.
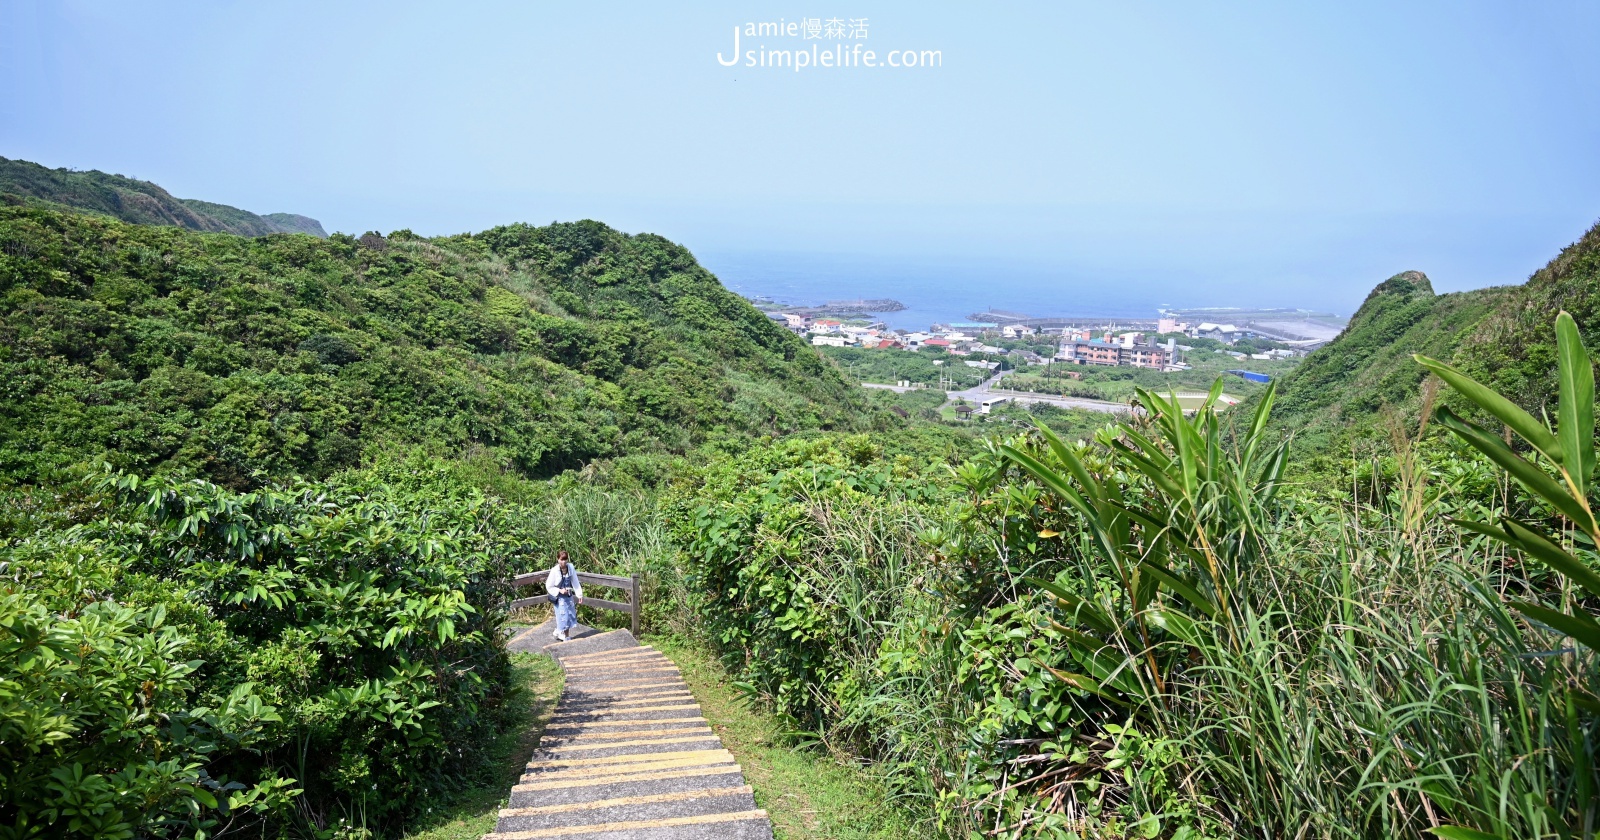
953, 290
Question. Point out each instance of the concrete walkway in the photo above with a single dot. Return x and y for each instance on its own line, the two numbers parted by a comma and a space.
627, 755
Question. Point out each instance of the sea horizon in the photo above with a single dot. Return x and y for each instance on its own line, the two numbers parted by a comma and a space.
949, 291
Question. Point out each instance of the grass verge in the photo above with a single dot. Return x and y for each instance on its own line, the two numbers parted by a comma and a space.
471, 813
810, 795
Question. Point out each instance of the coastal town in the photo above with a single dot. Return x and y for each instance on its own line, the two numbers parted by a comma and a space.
997, 363
1108, 345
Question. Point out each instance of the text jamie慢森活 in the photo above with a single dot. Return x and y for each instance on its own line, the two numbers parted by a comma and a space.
828, 49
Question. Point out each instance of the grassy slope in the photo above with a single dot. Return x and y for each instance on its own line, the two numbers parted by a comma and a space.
1513, 349
810, 796
535, 349
1340, 388
1501, 335
140, 202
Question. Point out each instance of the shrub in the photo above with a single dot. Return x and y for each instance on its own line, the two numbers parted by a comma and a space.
220, 653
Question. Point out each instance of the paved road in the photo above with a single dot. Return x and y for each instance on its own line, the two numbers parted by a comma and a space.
898, 389
977, 393
987, 389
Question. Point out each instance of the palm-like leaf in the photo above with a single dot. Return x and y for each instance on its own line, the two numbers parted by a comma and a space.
1569, 449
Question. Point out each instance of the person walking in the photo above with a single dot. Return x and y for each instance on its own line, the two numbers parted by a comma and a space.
566, 592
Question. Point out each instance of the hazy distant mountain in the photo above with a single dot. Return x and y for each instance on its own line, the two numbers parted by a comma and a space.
140, 202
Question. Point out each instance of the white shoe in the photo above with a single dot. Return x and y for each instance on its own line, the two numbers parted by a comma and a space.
557, 636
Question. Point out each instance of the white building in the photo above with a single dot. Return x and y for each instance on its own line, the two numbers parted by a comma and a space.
829, 341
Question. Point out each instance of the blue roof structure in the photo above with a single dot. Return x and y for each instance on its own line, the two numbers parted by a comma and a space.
1251, 376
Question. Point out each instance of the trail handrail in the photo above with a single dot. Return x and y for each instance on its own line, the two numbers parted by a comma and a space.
629, 584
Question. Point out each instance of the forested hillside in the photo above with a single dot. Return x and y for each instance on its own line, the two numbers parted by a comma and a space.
1500, 334
162, 350
141, 202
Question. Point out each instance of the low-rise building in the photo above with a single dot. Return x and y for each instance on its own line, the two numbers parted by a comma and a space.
829, 341
1107, 354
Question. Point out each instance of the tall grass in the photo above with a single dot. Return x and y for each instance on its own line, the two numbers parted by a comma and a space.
1379, 688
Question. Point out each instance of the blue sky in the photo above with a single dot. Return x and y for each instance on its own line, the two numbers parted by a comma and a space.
1270, 152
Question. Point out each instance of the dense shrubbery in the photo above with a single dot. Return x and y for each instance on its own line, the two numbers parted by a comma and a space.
322, 656
888, 366
1137, 636
166, 351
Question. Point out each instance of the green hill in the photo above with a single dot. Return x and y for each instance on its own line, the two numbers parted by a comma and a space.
247, 359
140, 202
1512, 348
1500, 334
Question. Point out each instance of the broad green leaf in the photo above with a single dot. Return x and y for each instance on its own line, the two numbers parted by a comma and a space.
1177, 624
1065, 455
1543, 549
1581, 628
1530, 476
1456, 832
1188, 590
1052, 479
1483, 528
1258, 423
1576, 413
1521, 422
1081, 609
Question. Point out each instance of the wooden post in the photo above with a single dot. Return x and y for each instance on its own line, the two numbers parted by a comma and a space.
633, 598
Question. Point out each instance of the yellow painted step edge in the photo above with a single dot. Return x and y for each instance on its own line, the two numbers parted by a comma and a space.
625, 759
590, 713
670, 822
604, 654
636, 733
681, 772
625, 800
643, 742
610, 723
629, 685
663, 696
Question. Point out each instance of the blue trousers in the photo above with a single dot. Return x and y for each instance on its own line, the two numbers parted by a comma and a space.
566, 612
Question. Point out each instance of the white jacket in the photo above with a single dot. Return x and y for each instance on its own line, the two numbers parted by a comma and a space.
552, 582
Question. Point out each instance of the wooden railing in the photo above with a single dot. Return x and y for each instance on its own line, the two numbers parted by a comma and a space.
629, 584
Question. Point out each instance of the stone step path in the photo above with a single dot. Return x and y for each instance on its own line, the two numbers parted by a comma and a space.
627, 754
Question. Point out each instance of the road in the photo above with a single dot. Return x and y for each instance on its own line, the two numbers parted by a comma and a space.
986, 390
898, 389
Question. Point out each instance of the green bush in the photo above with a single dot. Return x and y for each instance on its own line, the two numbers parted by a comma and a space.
99, 730
219, 654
